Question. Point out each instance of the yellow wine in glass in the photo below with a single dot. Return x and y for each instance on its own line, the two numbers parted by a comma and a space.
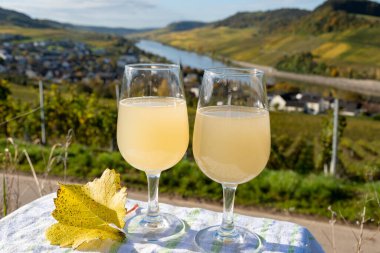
155, 128
152, 136
231, 145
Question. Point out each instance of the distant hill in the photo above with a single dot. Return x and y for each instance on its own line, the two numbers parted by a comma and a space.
332, 15
185, 25
353, 6
340, 15
109, 30
14, 18
9, 17
266, 20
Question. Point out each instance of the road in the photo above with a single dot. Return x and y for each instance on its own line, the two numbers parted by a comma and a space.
321, 229
365, 87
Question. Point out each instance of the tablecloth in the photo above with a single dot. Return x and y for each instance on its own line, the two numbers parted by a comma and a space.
24, 230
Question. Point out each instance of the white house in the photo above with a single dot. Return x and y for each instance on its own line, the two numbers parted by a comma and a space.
298, 102
277, 103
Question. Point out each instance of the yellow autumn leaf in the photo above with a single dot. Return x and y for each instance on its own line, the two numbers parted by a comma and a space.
88, 213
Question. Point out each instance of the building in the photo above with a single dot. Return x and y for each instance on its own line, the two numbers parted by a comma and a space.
277, 102
349, 108
299, 102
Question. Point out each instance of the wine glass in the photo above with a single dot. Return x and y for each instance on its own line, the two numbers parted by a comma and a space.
152, 136
231, 145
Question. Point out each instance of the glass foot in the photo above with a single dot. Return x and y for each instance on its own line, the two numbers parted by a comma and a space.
164, 227
212, 240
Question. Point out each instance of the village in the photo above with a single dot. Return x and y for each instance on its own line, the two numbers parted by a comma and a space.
63, 60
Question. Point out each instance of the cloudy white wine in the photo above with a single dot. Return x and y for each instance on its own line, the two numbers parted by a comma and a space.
231, 144
152, 132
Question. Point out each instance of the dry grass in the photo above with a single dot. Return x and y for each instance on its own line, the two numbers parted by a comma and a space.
11, 187
360, 236
9, 164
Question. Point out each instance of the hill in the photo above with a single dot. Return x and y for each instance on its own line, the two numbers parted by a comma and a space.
353, 6
340, 15
342, 37
268, 21
185, 25
109, 30
9, 17
14, 18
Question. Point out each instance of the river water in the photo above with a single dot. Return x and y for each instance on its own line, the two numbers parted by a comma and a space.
175, 55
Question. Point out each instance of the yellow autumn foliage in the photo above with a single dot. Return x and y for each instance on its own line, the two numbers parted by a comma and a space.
89, 213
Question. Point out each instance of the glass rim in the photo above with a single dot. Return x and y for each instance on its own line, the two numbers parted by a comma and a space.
151, 66
232, 71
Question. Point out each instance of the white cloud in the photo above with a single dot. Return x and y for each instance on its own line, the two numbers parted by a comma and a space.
75, 4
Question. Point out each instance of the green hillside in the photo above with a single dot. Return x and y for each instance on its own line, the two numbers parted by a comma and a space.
268, 21
9, 17
94, 39
346, 39
185, 25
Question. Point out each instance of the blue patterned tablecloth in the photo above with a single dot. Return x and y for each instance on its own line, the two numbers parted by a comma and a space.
24, 230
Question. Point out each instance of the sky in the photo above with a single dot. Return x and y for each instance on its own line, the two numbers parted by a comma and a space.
144, 13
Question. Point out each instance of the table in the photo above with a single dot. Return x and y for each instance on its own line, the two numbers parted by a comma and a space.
24, 230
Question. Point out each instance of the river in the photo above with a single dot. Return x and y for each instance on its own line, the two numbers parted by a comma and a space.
175, 55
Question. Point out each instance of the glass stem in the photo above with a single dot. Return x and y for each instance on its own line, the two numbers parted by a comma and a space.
227, 229
153, 216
